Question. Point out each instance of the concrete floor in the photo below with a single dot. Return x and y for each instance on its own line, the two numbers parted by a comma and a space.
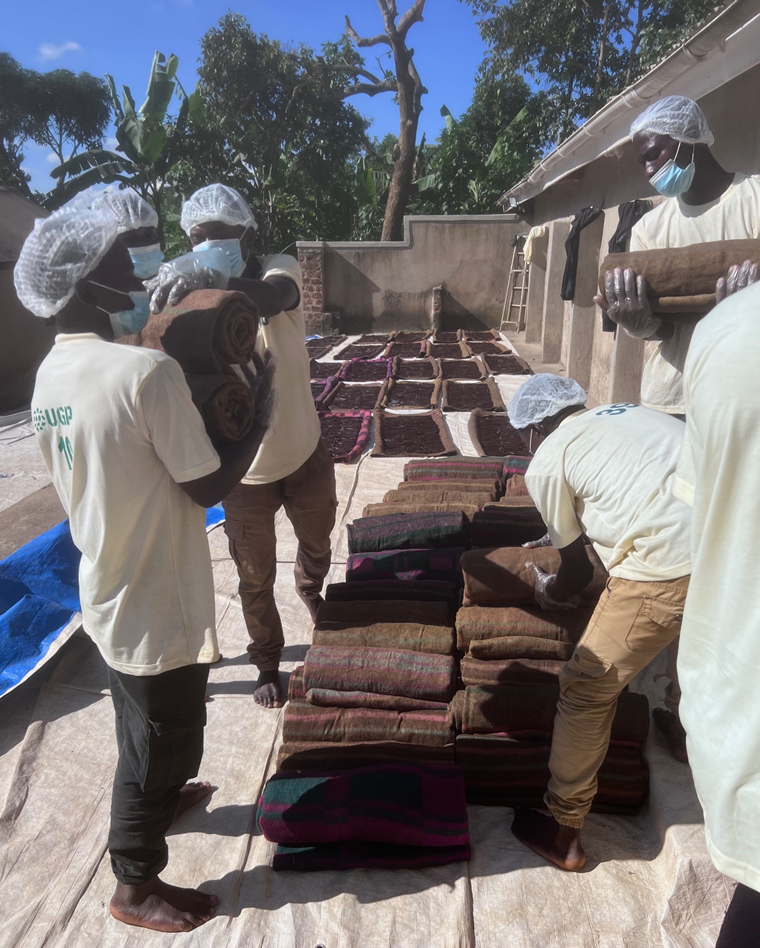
27, 519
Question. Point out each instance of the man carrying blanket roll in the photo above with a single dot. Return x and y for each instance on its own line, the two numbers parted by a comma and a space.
133, 467
604, 475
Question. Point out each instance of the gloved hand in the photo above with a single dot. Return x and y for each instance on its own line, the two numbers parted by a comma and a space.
626, 303
261, 383
542, 597
739, 277
535, 544
176, 278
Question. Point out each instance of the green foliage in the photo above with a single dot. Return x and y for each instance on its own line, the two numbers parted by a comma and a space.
13, 122
275, 130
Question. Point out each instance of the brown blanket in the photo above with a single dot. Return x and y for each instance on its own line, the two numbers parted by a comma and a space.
305, 722
439, 495
515, 486
380, 510
520, 646
208, 331
479, 623
509, 671
422, 590
320, 755
682, 280
225, 403
500, 576
368, 612
411, 636
474, 486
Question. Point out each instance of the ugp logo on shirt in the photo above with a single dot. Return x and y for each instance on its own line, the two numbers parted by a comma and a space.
39, 419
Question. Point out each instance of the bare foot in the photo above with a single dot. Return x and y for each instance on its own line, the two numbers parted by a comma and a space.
162, 907
268, 691
192, 794
668, 724
545, 836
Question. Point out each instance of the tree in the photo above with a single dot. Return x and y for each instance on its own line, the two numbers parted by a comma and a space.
580, 53
409, 91
14, 82
275, 128
67, 111
147, 139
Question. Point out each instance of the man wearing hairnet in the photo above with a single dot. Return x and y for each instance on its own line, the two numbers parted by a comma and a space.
293, 468
704, 202
604, 475
133, 466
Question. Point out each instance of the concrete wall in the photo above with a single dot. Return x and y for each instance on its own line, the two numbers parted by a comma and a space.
389, 285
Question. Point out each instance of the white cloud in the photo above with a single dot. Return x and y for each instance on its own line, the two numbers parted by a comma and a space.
112, 144
52, 159
50, 51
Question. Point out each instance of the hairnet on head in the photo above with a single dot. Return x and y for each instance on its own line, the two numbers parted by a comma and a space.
216, 202
675, 115
130, 210
541, 397
60, 251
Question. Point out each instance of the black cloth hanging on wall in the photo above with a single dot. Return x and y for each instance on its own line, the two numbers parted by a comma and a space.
628, 215
582, 219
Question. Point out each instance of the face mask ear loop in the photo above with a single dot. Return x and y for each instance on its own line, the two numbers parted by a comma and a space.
530, 441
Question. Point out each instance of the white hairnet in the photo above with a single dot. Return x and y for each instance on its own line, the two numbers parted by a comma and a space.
60, 251
675, 115
130, 210
541, 397
216, 202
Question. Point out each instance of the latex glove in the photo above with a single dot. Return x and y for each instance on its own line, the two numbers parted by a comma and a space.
176, 278
261, 382
535, 544
739, 277
542, 597
626, 303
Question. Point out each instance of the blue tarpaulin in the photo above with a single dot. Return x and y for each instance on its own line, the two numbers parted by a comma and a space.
39, 596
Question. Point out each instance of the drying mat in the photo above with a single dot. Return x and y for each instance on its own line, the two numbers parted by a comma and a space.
411, 436
365, 370
479, 348
446, 337
319, 389
370, 338
413, 335
467, 396
491, 335
345, 433
493, 436
320, 347
463, 369
422, 369
345, 397
358, 351
450, 350
411, 395
406, 350
323, 370
506, 364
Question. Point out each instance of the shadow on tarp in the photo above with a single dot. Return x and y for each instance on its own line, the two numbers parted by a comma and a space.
39, 596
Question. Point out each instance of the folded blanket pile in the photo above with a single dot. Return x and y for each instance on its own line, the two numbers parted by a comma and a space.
406, 531
498, 525
344, 755
439, 495
305, 722
359, 855
516, 464
509, 671
474, 485
395, 589
369, 611
409, 636
381, 510
515, 486
454, 469
421, 564
490, 623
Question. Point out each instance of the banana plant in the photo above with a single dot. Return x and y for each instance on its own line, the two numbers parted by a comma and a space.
147, 140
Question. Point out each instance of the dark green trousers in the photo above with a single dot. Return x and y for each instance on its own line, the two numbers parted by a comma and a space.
159, 733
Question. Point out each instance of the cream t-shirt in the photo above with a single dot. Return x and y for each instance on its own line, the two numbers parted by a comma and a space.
608, 473
294, 430
735, 215
119, 433
719, 653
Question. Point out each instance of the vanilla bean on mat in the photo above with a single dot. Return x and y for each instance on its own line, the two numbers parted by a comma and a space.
354, 397
448, 350
423, 435
411, 394
413, 335
358, 351
374, 337
492, 348
345, 433
467, 396
506, 364
447, 336
463, 369
490, 335
424, 369
207, 332
323, 370
492, 435
405, 350
365, 370
320, 347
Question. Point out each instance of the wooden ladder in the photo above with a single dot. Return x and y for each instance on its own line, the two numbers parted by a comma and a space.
516, 298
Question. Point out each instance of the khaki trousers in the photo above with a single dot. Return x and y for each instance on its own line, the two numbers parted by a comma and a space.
632, 623
308, 496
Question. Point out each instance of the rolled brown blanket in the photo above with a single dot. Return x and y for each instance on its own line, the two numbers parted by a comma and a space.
296, 688
479, 623
327, 698
486, 485
515, 486
207, 331
515, 709
369, 612
439, 495
316, 755
411, 636
509, 671
682, 280
225, 403
305, 722
421, 590
508, 526
521, 646
500, 576
380, 510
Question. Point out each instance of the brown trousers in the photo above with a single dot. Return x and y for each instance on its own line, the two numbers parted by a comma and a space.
632, 623
309, 498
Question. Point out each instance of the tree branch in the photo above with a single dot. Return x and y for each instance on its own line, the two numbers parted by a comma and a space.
370, 89
413, 15
360, 41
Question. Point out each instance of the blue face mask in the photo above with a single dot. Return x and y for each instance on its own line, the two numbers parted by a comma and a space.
232, 251
146, 260
671, 180
126, 322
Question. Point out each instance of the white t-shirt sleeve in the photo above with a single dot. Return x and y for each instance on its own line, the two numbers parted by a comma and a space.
174, 424
553, 499
638, 237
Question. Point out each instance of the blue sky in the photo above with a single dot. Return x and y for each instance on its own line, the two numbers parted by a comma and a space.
101, 37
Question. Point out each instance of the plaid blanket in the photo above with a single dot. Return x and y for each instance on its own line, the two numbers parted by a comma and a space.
304, 722
322, 755
327, 698
368, 612
508, 526
441, 564
454, 469
359, 855
382, 509
439, 495
515, 464
521, 646
380, 671
478, 623
404, 531
475, 485
410, 636
391, 804
518, 671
